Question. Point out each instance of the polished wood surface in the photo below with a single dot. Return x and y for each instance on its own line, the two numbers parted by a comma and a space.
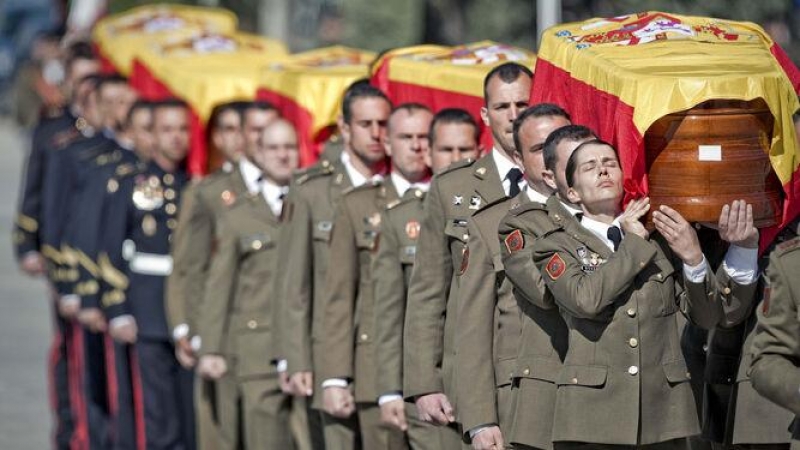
698, 189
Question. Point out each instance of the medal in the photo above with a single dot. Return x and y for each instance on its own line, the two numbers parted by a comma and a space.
149, 225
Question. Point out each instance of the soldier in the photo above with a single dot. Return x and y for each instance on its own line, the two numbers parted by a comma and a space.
52, 133
455, 195
232, 126
348, 339
543, 343
488, 326
134, 262
303, 247
775, 349
237, 343
453, 135
624, 355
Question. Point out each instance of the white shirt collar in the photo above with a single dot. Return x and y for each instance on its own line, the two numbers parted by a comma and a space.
504, 165
273, 195
356, 178
601, 229
402, 185
534, 195
572, 210
251, 175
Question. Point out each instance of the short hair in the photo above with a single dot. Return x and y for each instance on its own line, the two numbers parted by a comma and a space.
572, 164
237, 106
410, 108
453, 116
257, 105
105, 80
536, 111
169, 103
572, 133
138, 105
358, 90
507, 72
77, 51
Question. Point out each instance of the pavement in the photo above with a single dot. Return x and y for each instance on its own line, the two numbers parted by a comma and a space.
25, 327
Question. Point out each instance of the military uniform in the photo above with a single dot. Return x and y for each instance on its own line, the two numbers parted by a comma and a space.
347, 347
748, 418
236, 322
624, 366
49, 136
303, 250
391, 271
544, 333
776, 345
489, 326
429, 334
192, 248
134, 262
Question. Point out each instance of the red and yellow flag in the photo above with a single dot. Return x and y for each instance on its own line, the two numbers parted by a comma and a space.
445, 77
204, 69
122, 37
308, 88
620, 75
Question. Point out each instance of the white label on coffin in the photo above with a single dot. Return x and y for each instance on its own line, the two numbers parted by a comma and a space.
709, 153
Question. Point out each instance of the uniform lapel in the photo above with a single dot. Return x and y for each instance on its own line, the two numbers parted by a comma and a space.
489, 187
559, 214
239, 186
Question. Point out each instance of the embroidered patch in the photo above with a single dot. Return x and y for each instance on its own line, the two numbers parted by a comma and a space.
555, 267
464, 261
412, 229
514, 241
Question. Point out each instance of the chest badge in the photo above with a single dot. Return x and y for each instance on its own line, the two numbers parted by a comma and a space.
412, 229
148, 194
475, 202
458, 199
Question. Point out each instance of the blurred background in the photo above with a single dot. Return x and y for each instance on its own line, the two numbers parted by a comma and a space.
367, 24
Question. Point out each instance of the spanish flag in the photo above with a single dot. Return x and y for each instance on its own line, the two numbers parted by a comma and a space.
122, 37
444, 77
307, 88
204, 69
620, 75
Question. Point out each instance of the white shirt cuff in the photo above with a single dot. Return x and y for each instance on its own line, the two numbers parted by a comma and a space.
121, 320
180, 332
696, 274
741, 264
195, 342
282, 365
335, 382
386, 398
477, 430
70, 300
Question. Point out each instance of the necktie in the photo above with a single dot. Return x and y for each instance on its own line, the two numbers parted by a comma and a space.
514, 175
615, 236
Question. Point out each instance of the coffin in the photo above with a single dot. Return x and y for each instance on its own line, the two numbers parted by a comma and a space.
703, 158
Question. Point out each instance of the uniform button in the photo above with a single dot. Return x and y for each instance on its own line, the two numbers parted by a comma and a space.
642, 264
557, 217
172, 223
574, 381
631, 312
466, 237
169, 194
526, 372
633, 370
257, 245
726, 291
171, 208
252, 324
659, 276
169, 179
633, 342
364, 337
419, 193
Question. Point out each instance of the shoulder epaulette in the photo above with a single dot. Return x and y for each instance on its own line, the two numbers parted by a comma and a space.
458, 165
126, 169
108, 158
527, 206
368, 186
395, 203
788, 246
315, 171
64, 138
